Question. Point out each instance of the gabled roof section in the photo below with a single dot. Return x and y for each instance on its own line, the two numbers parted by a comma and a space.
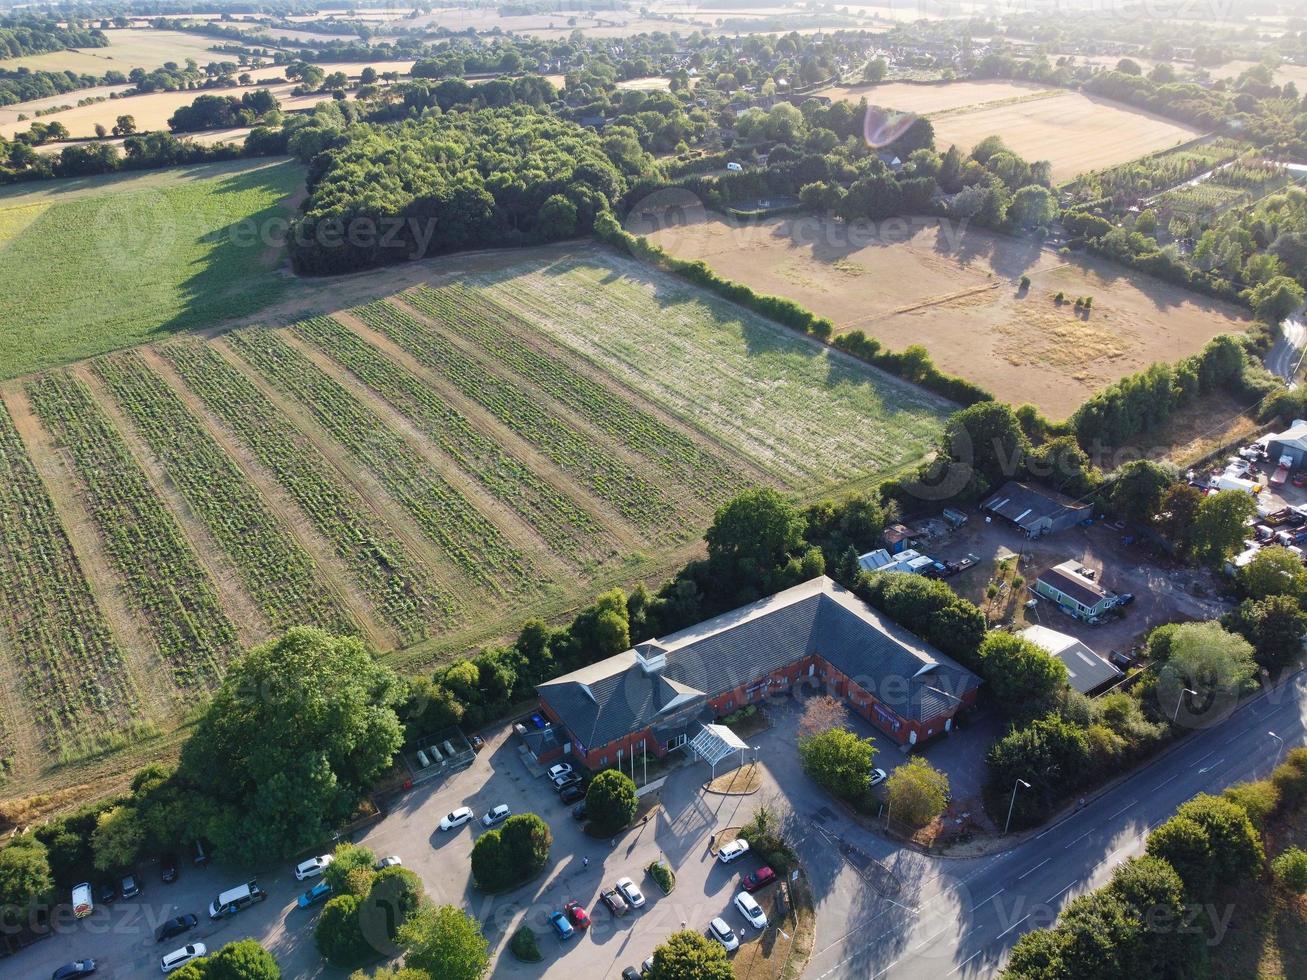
745, 645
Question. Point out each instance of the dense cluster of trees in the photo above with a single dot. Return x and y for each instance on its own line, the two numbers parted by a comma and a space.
24, 33
223, 111
1208, 851
368, 908
512, 853
459, 180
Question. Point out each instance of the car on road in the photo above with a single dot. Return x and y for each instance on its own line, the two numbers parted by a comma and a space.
77, 968
720, 931
180, 957
1125, 598
313, 867
577, 915
572, 793
615, 902
878, 776
498, 815
456, 819
561, 926
631, 892
168, 868
567, 779
314, 895
175, 926
757, 880
560, 769
131, 886
390, 861
751, 910
732, 851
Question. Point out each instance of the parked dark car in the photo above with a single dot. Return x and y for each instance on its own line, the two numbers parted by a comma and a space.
168, 868
131, 885
175, 927
1125, 598
757, 879
571, 793
106, 892
578, 811
615, 902
80, 968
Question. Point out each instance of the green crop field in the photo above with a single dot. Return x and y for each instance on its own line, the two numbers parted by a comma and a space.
743, 380
93, 265
429, 470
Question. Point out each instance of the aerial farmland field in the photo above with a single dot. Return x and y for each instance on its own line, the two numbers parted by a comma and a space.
1074, 132
493, 439
95, 264
954, 291
137, 47
926, 100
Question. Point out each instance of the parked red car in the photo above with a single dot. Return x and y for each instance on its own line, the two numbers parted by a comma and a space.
758, 879
579, 917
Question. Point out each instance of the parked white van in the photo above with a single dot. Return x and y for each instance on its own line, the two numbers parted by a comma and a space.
234, 899
82, 904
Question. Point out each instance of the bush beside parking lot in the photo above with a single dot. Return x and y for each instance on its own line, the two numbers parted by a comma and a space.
663, 876
524, 945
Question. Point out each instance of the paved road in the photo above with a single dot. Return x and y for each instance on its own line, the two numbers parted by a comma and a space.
958, 918
1286, 353
882, 911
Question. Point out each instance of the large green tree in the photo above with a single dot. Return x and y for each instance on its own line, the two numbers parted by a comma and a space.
611, 802
985, 445
1275, 626
446, 942
299, 730
752, 538
339, 933
1216, 665
1218, 528
839, 760
1274, 571
243, 959
1023, 679
1212, 845
1138, 488
688, 955
24, 873
917, 792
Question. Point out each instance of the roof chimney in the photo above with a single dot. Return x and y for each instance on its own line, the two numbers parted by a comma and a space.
650, 656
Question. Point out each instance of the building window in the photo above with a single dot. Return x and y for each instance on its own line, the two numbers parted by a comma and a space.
603, 761
676, 742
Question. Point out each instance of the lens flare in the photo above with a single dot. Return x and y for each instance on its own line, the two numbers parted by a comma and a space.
882, 127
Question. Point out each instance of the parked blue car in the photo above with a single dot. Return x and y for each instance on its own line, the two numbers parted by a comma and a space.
561, 926
314, 895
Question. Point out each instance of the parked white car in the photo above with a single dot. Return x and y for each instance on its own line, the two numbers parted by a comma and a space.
559, 769
878, 776
751, 910
313, 866
180, 957
723, 934
498, 815
391, 861
735, 849
631, 892
456, 819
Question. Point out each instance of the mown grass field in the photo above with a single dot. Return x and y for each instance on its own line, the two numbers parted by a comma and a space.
89, 266
500, 442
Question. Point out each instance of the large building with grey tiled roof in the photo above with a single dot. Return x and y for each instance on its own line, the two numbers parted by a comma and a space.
656, 696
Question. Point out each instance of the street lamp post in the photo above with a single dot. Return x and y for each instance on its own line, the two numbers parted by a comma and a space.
1279, 748
1010, 806
1179, 700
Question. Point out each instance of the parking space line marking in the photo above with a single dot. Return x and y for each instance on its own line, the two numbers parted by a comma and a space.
988, 900
1035, 868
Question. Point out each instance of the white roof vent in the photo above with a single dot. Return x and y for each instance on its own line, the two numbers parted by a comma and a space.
650, 656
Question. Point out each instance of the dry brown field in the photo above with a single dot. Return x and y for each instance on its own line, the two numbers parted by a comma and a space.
128, 48
1074, 132
917, 281
927, 99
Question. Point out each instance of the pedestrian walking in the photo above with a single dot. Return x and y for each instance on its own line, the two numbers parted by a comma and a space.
585, 862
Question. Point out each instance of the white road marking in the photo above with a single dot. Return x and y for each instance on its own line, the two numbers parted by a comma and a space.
988, 900
1013, 926
1068, 887
1035, 868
